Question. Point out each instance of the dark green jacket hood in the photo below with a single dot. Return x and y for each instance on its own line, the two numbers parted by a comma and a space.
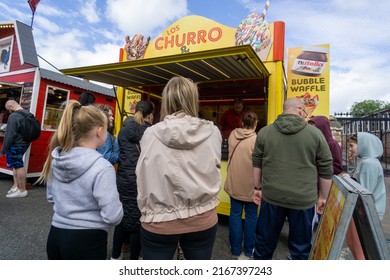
289, 124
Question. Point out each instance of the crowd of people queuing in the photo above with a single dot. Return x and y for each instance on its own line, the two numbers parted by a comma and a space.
157, 184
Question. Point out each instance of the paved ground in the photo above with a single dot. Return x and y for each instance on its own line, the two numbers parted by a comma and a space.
24, 225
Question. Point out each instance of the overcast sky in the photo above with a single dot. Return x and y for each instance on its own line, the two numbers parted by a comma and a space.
72, 33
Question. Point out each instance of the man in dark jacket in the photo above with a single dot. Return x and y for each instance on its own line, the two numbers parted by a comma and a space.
289, 158
14, 147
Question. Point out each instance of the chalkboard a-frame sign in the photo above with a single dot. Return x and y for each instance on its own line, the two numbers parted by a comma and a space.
347, 199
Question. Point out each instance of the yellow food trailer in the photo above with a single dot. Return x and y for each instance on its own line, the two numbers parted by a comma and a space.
226, 63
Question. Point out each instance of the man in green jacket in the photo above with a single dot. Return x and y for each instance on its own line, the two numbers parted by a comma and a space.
289, 158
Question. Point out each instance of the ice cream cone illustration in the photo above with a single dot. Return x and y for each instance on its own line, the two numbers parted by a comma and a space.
254, 31
311, 103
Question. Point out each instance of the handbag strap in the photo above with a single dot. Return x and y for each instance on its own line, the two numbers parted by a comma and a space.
231, 156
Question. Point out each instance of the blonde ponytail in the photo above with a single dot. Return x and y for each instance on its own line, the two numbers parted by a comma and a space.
76, 123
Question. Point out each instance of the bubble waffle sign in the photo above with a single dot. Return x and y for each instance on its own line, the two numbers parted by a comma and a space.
131, 100
308, 77
191, 34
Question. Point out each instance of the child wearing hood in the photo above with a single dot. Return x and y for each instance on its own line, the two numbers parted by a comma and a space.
81, 185
368, 173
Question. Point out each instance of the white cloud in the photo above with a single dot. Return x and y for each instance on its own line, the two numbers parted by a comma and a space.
102, 54
46, 9
145, 17
254, 6
358, 33
90, 12
73, 57
10, 13
365, 79
72, 39
109, 35
46, 25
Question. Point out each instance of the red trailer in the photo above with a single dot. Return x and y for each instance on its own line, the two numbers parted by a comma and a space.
41, 91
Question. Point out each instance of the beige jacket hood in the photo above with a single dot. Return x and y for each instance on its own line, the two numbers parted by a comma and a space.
178, 171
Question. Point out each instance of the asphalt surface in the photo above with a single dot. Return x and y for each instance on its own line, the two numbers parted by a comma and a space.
25, 223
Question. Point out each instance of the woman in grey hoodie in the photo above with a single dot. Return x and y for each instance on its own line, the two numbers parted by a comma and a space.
81, 186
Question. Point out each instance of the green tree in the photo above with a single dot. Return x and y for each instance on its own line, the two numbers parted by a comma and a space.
368, 107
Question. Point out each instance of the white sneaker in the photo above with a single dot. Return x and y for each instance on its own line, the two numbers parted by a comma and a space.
243, 257
12, 190
17, 194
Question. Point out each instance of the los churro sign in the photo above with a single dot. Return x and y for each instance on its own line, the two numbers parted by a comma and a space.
184, 36
196, 33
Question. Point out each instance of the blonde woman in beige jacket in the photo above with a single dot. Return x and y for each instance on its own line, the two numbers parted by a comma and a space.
239, 186
178, 178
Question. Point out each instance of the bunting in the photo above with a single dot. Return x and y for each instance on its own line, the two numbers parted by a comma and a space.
33, 4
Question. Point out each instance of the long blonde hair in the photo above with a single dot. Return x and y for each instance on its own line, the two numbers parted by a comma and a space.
180, 94
76, 124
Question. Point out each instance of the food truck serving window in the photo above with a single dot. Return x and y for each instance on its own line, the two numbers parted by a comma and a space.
8, 91
55, 98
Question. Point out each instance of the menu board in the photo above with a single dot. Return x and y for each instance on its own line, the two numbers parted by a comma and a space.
348, 199
25, 99
329, 223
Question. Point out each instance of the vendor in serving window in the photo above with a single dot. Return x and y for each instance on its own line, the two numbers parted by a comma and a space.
231, 119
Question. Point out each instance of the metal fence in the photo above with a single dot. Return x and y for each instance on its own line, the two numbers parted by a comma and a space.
378, 125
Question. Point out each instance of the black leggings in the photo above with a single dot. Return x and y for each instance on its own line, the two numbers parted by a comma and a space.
76, 244
120, 236
195, 245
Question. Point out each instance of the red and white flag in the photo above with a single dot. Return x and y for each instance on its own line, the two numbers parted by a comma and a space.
33, 4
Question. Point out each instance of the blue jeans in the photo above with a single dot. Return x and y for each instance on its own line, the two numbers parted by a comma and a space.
270, 224
196, 245
235, 226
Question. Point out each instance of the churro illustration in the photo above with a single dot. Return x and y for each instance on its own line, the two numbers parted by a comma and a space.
135, 48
